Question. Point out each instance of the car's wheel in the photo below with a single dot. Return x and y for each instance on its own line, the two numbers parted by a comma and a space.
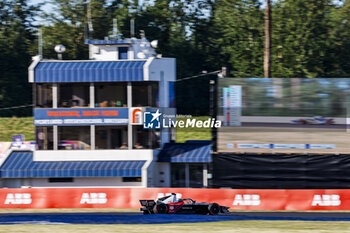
162, 208
146, 212
213, 209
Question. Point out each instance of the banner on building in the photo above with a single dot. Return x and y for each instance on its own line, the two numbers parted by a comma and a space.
81, 116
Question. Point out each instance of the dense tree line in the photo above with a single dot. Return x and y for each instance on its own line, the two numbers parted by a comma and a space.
309, 39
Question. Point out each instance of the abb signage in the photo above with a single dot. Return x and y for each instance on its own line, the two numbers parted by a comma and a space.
93, 198
326, 200
129, 198
247, 200
18, 198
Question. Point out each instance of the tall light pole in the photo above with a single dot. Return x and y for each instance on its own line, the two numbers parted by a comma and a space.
267, 55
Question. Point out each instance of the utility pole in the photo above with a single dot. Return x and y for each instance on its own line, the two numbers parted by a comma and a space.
267, 55
213, 112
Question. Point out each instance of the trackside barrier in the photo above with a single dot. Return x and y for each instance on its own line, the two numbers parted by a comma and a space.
129, 198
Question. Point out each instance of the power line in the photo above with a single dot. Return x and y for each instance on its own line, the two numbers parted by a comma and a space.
16, 107
200, 75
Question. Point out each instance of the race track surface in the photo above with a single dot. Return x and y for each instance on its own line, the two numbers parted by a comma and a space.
137, 218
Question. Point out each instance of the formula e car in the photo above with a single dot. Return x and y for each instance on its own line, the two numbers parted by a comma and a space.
171, 205
317, 120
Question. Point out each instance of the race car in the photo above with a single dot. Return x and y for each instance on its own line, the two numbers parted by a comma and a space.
171, 205
317, 120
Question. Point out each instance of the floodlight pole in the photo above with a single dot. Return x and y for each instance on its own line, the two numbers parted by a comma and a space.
213, 112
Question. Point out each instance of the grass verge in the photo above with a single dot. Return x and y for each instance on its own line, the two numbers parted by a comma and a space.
10, 126
184, 134
218, 227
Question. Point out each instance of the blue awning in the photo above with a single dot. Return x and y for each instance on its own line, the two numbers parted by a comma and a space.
20, 164
185, 153
88, 71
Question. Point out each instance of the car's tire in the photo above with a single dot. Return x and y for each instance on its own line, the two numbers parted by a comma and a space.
146, 212
162, 208
213, 209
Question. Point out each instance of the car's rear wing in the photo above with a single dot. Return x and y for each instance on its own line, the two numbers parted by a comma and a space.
148, 206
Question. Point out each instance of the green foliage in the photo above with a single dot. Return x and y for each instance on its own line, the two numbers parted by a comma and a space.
239, 29
301, 38
16, 40
309, 39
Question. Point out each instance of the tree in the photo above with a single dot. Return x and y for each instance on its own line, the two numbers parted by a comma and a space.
68, 27
338, 42
17, 35
300, 38
239, 34
72, 22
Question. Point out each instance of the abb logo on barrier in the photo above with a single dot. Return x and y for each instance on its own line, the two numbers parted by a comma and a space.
247, 200
18, 199
93, 198
326, 200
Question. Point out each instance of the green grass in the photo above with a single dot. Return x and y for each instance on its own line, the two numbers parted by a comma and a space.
218, 227
24, 125
184, 134
14, 126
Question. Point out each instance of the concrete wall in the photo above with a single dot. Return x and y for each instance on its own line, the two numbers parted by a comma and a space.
163, 175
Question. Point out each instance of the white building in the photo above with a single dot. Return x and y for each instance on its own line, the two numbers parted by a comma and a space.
88, 117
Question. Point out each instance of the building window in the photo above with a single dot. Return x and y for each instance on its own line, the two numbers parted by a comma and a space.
131, 179
74, 138
123, 53
111, 137
145, 94
73, 95
178, 175
61, 180
43, 95
44, 138
196, 175
145, 138
110, 95
187, 175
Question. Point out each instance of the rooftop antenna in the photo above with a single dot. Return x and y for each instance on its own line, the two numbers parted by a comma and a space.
115, 29
40, 42
132, 28
91, 28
